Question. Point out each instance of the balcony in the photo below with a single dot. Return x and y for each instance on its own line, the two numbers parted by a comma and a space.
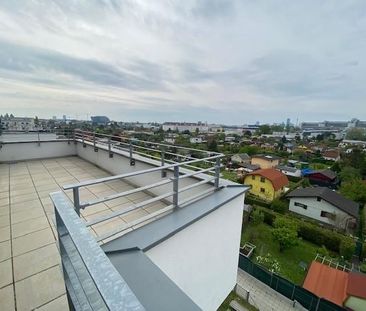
139, 225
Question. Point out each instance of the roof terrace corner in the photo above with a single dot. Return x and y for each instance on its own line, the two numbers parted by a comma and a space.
147, 213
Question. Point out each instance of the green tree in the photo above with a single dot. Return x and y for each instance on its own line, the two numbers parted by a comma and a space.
264, 129
354, 190
212, 145
286, 237
257, 217
285, 233
347, 248
279, 206
349, 173
356, 134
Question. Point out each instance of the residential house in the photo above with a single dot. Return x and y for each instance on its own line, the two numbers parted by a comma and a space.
324, 205
266, 184
196, 140
240, 159
343, 288
289, 171
331, 155
265, 161
323, 178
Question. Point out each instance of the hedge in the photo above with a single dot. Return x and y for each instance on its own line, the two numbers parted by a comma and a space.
249, 199
313, 233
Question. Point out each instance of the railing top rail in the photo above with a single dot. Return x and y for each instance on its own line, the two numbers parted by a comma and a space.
147, 142
126, 175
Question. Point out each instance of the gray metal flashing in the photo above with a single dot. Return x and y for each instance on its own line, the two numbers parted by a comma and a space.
112, 287
156, 232
153, 288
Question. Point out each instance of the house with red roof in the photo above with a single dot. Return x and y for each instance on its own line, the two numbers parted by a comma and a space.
346, 289
266, 184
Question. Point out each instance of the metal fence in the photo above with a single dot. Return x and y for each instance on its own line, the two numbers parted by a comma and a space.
288, 289
172, 172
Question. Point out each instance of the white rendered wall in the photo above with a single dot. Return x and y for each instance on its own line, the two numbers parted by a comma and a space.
19, 151
314, 209
203, 258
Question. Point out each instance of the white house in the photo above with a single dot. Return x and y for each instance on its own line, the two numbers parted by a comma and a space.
324, 205
196, 140
289, 171
185, 126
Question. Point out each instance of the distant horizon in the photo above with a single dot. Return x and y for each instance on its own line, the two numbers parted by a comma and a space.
178, 121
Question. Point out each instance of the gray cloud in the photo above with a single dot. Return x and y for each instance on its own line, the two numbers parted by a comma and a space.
215, 60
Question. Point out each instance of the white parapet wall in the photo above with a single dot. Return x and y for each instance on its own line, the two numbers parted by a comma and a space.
31, 150
203, 258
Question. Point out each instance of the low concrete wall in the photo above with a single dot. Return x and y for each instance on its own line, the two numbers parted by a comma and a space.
20, 151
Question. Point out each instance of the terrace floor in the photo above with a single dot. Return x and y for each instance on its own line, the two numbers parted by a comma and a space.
30, 274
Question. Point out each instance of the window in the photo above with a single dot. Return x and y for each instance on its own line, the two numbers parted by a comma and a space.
263, 179
263, 190
318, 199
304, 206
253, 177
327, 214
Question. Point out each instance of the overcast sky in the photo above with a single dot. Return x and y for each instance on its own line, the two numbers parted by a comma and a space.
230, 62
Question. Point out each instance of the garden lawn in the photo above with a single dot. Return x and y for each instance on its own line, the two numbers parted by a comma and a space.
261, 236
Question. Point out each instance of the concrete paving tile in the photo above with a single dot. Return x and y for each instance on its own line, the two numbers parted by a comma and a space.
107, 226
59, 304
90, 210
29, 226
4, 210
4, 194
5, 250
7, 298
4, 221
35, 261
133, 215
32, 241
23, 198
18, 192
39, 289
25, 206
4, 202
4, 234
6, 274
26, 215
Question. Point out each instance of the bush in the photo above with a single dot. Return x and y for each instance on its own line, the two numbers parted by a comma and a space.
347, 248
323, 251
269, 217
286, 237
281, 222
319, 236
279, 206
257, 217
363, 267
250, 199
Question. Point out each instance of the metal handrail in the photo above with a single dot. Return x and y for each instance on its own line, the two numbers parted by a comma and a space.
131, 146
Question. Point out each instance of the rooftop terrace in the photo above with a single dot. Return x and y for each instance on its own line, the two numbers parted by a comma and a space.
128, 197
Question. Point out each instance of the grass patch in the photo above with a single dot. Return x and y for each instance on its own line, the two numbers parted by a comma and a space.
233, 296
232, 176
261, 236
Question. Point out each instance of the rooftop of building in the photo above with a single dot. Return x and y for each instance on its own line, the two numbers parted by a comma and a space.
277, 178
30, 275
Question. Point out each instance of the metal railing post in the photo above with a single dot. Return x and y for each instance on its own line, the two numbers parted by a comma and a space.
75, 192
74, 134
39, 141
217, 173
163, 172
110, 148
83, 139
94, 143
132, 160
175, 186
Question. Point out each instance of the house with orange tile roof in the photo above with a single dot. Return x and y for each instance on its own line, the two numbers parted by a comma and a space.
266, 184
346, 289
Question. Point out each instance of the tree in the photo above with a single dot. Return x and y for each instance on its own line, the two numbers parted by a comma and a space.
36, 121
354, 190
349, 173
285, 233
347, 248
356, 134
264, 129
286, 237
257, 217
212, 145
279, 206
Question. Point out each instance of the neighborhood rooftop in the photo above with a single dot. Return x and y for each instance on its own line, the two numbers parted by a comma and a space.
328, 195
